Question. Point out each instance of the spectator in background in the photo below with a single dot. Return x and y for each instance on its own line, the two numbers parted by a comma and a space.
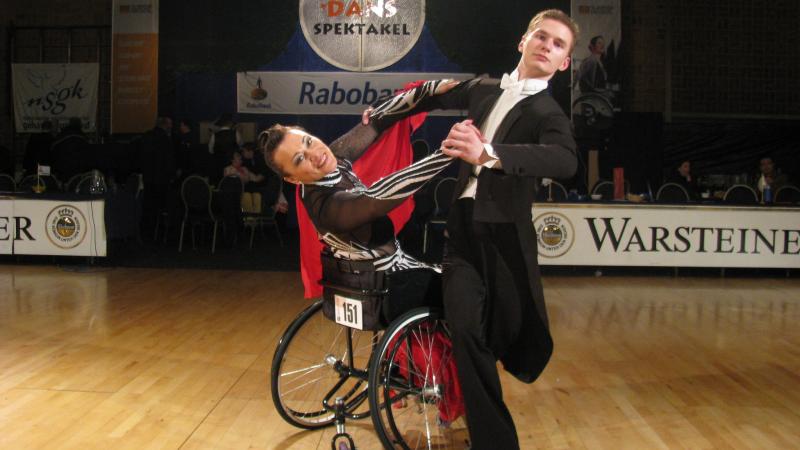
157, 162
683, 176
238, 169
184, 142
592, 74
224, 141
270, 185
69, 152
37, 152
769, 175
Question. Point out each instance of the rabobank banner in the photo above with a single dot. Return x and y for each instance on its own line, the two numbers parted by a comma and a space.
667, 236
323, 92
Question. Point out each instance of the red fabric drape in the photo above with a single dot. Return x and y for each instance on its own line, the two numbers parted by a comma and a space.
387, 155
432, 359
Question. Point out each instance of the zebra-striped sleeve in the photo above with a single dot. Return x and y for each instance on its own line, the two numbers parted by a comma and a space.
405, 182
406, 101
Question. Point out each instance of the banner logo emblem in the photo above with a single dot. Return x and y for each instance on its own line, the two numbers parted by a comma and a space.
554, 234
362, 35
65, 226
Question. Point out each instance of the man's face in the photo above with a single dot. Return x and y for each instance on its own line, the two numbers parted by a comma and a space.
303, 158
685, 169
766, 165
599, 47
545, 50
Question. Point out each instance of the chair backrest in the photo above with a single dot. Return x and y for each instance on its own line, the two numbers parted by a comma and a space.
196, 195
230, 184
26, 185
557, 192
74, 181
133, 185
443, 195
420, 148
604, 188
741, 194
672, 193
788, 194
7, 183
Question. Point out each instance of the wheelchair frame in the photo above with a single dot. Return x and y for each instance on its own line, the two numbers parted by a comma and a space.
378, 382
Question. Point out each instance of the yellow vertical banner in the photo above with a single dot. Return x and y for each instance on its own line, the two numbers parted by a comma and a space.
134, 65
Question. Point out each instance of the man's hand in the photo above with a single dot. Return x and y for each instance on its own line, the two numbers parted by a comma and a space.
465, 142
365, 115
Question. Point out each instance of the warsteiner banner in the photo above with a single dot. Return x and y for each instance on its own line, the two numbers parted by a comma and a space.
362, 35
666, 236
52, 227
55, 93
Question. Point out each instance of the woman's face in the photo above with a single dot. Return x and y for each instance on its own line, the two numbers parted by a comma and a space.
303, 158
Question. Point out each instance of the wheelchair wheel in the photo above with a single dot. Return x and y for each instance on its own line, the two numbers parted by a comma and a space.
314, 364
413, 393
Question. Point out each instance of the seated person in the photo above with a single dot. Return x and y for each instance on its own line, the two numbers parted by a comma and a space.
683, 176
351, 218
769, 175
269, 186
237, 169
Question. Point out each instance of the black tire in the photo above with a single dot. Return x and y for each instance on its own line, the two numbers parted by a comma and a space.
405, 414
303, 369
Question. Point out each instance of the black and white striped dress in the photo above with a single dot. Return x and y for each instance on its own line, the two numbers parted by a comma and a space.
351, 218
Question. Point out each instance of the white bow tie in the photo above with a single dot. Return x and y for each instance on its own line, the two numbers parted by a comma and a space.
524, 87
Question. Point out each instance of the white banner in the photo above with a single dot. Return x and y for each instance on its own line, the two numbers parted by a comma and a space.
6, 226
54, 92
323, 92
52, 227
668, 236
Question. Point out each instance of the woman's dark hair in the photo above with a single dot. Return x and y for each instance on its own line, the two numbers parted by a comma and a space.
270, 139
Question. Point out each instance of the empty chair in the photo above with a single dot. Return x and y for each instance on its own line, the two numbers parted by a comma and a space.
7, 183
420, 149
228, 202
50, 183
672, 193
741, 194
605, 189
72, 183
266, 217
442, 197
788, 194
551, 191
196, 196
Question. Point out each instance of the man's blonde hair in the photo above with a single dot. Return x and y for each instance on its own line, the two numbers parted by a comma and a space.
561, 16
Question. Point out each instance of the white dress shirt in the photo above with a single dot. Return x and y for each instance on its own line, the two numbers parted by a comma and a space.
513, 92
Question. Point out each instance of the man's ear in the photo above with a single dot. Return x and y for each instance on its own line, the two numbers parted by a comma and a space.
292, 180
522, 41
565, 64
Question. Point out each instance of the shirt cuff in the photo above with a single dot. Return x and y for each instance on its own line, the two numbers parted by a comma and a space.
494, 159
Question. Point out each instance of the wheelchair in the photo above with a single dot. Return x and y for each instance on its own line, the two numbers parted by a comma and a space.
399, 372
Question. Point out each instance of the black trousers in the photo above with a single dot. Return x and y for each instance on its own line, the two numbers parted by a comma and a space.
484, 283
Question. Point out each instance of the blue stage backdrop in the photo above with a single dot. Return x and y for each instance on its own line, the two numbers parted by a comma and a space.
204, 44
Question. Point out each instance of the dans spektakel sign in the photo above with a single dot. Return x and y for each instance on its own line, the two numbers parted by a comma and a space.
362, 35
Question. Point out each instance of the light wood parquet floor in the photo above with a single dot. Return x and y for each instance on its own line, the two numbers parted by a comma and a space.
179, 359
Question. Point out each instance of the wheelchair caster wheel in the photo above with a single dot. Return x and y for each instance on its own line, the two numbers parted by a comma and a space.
342, 441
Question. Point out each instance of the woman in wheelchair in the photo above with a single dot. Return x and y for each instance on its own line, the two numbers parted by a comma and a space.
363, 264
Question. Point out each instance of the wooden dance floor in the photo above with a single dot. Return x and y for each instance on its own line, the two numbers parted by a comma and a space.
179, 359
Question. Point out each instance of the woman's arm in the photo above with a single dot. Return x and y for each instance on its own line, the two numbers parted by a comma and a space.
343, 211
422, 98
